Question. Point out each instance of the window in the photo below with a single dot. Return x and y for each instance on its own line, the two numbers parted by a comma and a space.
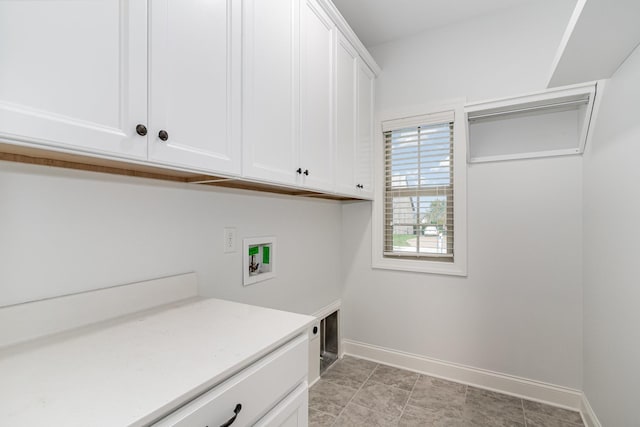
420, 207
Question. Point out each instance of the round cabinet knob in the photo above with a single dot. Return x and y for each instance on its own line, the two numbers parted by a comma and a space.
315, 330
306, 172
299, 171
163, 135
141, 130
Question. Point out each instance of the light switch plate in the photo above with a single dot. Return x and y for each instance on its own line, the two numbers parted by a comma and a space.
229, 243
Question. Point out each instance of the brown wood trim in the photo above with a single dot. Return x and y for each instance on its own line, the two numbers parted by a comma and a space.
50, 158
86, 167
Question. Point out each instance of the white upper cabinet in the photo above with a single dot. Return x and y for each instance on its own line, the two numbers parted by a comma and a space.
288, 73
364, 149
270, 101
317, 41
354, 141
346, 116
194, 53
73, 74
261, 90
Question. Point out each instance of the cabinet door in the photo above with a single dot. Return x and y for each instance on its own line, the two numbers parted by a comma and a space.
346, 124
194, 58
317, 43
270, 90
364, 149
292, 411
74, 74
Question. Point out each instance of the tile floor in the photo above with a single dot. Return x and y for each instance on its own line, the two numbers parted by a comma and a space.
356, 392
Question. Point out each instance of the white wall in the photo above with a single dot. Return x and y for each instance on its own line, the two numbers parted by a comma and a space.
64, 231
611, 247
502, 54
519, 311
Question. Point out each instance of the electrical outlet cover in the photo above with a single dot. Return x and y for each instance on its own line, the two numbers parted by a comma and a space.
229, 241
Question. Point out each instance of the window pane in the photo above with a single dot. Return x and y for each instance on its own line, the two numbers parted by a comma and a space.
420, 156
419, 194
419, 224
405, 239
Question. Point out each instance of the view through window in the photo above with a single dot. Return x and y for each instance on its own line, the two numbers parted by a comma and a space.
418, 200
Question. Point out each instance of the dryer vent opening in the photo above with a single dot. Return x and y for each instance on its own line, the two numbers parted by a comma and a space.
328, 341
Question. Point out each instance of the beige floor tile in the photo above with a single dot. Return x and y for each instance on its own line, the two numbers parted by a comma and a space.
320, 419
541, 413
348, 373
492, 405
358, 416
444, 417
394, 377
382, 398
330, 398
356, 392
434, 393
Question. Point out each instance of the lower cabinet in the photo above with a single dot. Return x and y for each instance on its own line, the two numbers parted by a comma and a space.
270, 392
292, 411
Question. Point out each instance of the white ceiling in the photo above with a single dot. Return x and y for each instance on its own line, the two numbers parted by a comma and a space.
380, 21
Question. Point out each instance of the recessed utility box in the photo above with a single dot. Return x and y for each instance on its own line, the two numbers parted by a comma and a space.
328, 341
259, 258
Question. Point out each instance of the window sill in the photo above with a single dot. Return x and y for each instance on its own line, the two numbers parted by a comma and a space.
415, 266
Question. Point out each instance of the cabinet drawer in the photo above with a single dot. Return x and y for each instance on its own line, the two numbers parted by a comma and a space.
258, 388
293, 411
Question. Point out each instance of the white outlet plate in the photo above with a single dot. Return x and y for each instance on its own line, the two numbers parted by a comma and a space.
229, 242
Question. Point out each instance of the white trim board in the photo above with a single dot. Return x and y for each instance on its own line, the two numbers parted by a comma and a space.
562, 397
314, 349
589, 417
327, 310
31, 320
504, 110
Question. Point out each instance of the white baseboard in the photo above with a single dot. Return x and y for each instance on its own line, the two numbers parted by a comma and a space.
521, 387
311, 383
588, 416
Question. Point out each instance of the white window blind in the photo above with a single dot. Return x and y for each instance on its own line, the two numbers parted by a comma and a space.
418, 195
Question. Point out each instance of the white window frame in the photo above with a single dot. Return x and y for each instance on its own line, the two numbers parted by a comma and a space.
459, 265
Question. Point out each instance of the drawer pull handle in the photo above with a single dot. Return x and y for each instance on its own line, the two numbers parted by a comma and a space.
236, 411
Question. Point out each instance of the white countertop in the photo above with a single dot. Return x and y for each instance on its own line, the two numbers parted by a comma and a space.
132, 370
